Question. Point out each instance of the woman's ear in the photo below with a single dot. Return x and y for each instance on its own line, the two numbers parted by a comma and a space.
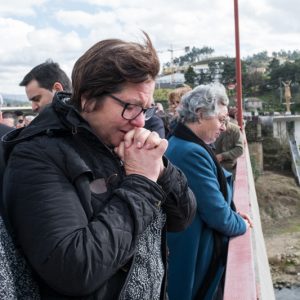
87, 106
83, 103
200, 115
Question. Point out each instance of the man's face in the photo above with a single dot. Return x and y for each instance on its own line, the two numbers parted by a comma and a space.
20, 122
107, 121
38, 96
10, 122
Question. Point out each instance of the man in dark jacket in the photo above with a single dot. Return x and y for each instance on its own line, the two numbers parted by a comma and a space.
87, 190
42, 82
156, 124
3, 130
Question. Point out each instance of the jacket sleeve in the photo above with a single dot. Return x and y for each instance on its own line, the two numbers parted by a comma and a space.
237, 150
180, 204
212, 208
156, 124
72, 254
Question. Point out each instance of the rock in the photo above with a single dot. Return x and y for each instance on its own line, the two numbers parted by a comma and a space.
290, 269
275, 260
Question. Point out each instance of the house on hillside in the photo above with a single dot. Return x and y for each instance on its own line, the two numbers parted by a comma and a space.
169, 81
253, 104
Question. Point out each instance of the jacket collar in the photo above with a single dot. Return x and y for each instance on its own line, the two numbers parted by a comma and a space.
58, 118
183, 132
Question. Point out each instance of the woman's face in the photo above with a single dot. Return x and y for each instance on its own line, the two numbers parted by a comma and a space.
173, 103
211, 127
107, 121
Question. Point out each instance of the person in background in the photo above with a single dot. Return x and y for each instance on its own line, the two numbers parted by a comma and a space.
3, 130
94, 194
20, 119
160, 108
198, 254
8, 119
175, 96
156, 123
174, 99
229, 146
42, 82
28, 119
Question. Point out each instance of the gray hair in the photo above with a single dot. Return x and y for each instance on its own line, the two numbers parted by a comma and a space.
205, 98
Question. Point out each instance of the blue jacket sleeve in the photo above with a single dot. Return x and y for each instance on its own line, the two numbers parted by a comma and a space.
212, 208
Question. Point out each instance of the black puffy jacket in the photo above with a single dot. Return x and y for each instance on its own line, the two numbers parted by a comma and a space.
74, 212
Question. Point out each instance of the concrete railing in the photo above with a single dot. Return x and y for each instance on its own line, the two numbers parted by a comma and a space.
294, 148
248, 274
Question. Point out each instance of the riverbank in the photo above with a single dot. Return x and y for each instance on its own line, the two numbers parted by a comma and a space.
279, 201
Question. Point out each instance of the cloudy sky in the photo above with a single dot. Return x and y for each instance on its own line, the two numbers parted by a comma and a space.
32, 31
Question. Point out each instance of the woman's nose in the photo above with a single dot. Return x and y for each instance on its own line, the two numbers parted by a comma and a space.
139, 121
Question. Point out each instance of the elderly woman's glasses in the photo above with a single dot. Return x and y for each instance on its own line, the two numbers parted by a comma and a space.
132, 111
224, 120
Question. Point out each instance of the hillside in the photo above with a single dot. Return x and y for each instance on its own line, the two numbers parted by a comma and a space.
13, 99
279, 201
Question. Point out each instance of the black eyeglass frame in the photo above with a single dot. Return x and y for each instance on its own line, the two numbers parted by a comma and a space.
148, 112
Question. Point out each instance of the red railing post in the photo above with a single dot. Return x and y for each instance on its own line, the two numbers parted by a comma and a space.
238, 66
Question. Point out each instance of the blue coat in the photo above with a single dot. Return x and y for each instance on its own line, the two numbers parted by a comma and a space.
191, 250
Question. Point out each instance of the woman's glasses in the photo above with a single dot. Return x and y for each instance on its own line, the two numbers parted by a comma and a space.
132, 111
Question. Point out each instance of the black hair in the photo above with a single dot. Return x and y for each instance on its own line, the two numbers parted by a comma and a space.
46, 74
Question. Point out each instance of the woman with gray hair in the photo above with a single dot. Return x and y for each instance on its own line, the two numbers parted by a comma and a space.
198, 254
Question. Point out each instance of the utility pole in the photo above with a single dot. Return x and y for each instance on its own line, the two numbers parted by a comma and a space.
238, 66
172, 64
280, 89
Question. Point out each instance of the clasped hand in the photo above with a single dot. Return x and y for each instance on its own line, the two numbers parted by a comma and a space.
141, 152
247, 219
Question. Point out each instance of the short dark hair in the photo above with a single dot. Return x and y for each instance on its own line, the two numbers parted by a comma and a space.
19, 113
110, 63
46, 74
8, 114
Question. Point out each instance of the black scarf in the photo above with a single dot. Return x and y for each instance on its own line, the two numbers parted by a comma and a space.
183, 132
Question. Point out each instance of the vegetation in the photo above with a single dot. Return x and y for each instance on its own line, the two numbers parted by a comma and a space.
161, 95
195, 55
276, 155
190, 76
262, 75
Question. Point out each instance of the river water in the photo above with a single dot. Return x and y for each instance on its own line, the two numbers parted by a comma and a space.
288, 294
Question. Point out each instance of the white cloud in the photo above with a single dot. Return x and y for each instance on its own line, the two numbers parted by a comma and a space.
23, 47
19, 7
13, 38
63, 30
83, 19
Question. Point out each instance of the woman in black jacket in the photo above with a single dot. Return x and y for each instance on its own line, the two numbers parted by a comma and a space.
88, 192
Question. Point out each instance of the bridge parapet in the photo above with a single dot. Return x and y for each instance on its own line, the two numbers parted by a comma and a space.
248, 274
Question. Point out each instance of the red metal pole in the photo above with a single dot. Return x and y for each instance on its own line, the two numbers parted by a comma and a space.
238, 66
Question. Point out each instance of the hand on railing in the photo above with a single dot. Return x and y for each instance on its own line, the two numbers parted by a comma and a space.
247, 219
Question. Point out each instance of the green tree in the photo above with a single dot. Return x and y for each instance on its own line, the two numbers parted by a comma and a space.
254, 83
190, 76
161, 95
228, 74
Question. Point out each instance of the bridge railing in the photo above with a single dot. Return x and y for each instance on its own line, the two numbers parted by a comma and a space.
248, 274
295, 154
